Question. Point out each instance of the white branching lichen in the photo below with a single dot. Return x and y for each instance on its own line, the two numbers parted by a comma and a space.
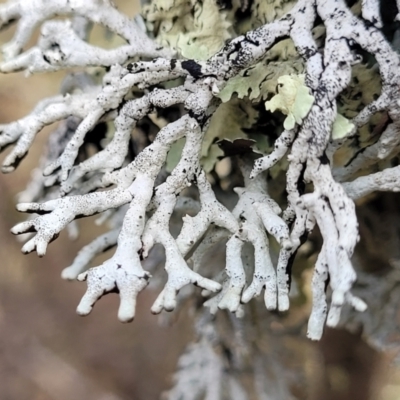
136, 194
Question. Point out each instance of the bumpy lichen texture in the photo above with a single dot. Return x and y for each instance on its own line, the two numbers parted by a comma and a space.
166, 87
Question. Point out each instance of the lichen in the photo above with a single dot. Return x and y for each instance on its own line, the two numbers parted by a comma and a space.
206, 88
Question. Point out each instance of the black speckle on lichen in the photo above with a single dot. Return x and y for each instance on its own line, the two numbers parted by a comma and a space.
324, 159
193, 68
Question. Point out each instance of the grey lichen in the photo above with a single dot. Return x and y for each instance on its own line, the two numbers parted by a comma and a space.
145, 78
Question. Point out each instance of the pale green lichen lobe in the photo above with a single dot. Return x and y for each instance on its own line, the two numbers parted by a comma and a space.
293, 99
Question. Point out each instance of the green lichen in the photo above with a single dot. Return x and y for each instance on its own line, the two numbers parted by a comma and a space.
264, 11
260, 80
293, 99
342, 127
197, 29
227, 123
